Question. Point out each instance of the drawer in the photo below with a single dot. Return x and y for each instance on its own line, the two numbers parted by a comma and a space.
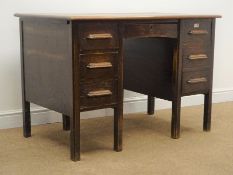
99, 65
98, 94
196, 28
194, 82
99, 35
150, 30
196, 43
193, 60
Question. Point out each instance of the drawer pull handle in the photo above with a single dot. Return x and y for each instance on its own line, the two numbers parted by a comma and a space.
99, 93
197, 57
99, 36
198, 32
99, 65
197, 80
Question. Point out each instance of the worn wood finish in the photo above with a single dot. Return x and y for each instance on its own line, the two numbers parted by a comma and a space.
116, 16
66, 122
208, 96
195, 87
176, 85
108, 72
207, 111
150, 30
118, 110
75, 115
87, 101
196, 44
92, 28
144, 59
47, 64
25, 104
74, 63
150, 105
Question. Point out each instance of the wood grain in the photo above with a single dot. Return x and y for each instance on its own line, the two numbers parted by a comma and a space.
115, 16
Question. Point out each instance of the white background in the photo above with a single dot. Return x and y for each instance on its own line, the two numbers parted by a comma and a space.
10, 85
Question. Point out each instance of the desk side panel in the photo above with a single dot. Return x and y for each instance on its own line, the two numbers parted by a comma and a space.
48, 64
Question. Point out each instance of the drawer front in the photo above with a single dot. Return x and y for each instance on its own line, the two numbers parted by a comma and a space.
99, 66
196, 43
98, 35
151, 30
98, 94
197, 60
193, 29
194, 82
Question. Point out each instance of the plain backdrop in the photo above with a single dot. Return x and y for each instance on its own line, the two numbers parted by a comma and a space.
10, 81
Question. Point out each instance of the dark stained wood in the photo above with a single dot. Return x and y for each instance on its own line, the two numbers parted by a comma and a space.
176, 86
74, 63
208, 96
90, 28
175, 123
118, 110
47, 64
75, 116
150, 30
196, 44
90, 74
150, 105
196, 87
148, 66
99, 100
66, 122
118, 127
25, 104
207, 111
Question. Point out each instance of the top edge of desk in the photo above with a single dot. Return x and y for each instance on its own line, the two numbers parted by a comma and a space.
114, 16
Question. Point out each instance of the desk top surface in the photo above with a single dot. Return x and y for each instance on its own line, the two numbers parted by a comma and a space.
114, 16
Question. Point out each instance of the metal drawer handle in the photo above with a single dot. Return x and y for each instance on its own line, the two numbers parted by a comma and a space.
99, 65
197, 57
197, 80
99, 93
198, 32
100, 36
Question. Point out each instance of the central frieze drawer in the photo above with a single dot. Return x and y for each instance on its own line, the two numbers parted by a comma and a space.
150, 30
99, 65
98, 35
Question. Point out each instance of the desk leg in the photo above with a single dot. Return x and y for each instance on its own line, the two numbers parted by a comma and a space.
207, 111
150, 105
26, 119
175, 128
75, 137
118, 127
25, 104
66, 122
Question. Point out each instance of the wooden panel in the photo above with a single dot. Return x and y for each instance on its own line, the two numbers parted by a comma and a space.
98, 35
150, 30
98, 94
48, 64
196, 82
101, 65
148, 66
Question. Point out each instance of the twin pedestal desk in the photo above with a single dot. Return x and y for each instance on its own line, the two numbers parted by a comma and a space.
75, 63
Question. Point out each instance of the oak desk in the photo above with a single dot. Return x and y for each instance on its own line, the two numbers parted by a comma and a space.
75, 63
